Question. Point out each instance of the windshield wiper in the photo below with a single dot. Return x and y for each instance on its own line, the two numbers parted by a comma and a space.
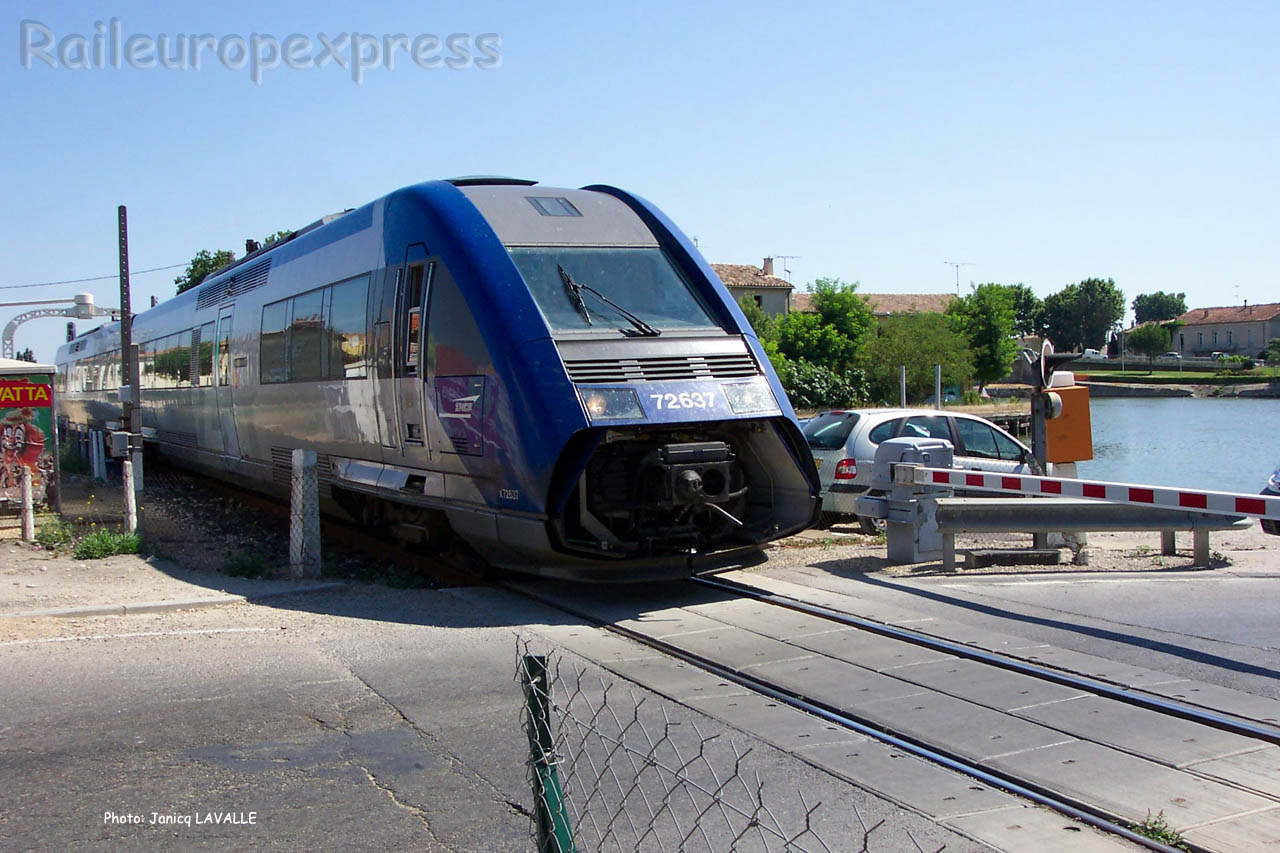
575, 294
576, 289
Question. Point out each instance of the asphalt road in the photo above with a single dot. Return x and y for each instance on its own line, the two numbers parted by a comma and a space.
368, 718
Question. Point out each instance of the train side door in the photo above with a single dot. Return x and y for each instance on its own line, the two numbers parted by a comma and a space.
224, 374
410, 331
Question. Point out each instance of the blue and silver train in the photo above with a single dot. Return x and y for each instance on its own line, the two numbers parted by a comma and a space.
554, 376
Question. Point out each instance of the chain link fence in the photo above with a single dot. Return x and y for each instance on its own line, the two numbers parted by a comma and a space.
611, 769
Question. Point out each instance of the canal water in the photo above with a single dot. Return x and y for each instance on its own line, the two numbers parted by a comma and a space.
1229, 445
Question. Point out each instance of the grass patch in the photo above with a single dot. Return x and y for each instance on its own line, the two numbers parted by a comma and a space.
246, 564
53, 533
1157, 829
106, 543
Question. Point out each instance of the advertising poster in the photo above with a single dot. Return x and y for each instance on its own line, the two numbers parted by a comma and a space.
26, 434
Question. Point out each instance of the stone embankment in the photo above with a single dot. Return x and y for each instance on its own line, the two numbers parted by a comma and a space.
1133, 389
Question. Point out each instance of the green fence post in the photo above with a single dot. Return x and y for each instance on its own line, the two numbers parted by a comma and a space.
554, 832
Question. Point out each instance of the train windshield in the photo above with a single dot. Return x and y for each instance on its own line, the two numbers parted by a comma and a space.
635, 291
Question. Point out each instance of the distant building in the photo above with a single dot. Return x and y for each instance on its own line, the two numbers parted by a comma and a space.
771, 293
1235, 330
889, 304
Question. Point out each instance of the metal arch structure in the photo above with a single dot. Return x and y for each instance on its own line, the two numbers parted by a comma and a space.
81, 309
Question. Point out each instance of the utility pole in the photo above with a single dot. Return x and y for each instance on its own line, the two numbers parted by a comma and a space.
957, 265
130, 412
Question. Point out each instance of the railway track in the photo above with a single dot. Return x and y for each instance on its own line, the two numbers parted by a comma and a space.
763, 647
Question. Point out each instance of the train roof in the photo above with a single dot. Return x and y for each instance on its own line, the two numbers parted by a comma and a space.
529, 215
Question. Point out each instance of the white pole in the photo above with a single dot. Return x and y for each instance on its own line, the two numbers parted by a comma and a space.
902, 384
130, 500
28, 508
937, 386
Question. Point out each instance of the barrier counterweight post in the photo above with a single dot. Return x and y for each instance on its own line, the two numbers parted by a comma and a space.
130, 499
304, 517
28, 508
554, 832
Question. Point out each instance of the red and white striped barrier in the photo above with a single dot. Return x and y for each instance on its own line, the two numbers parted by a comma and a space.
1225, 503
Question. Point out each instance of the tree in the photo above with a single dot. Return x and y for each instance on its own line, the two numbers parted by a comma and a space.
277, 237
765, 327
833, 336
201, 265
986, 319
918, 341
1028, 310
1149, 339
1080, 315
1158, 307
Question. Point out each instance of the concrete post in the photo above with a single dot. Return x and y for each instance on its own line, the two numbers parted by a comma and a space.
304, 517
28, 508
130, 500
902, 383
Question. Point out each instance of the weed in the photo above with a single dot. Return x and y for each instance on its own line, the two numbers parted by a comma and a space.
54, 533
70, 461
246, 564
1158, 829
106, 543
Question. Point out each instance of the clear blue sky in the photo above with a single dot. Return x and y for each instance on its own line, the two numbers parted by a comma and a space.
1041, 142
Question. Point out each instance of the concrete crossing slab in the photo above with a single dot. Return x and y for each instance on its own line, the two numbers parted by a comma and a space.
1250, 706
767, 619
1167, 740
875, 652
668, 622
1027, 827
1258, 770
737, 646
595, 643
674, 679
1260, 831
775, 722
911, 781
835, 682
1101, 668
985, 685
1132, 787
958, 726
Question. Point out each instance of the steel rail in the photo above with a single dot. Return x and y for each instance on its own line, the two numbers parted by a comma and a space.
1168, 707
1085, 813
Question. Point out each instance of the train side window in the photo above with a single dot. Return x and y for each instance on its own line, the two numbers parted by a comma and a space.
346, 329
306, 337
272, 364
205, 358
414, 290
454, 344
147, 365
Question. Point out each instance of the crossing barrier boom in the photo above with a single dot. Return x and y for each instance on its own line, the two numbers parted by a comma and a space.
1223, 503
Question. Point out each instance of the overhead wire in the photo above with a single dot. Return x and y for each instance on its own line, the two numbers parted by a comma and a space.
95, 278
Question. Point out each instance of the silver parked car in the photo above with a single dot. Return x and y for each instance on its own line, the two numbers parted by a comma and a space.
844, 447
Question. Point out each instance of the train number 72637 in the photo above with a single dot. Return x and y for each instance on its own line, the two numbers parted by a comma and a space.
685, 400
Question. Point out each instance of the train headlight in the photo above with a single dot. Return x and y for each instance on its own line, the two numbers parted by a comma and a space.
749, 397
611, 403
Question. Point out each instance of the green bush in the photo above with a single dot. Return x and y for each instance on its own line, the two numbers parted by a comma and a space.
53, 533
246, 564
106, 543
811, 386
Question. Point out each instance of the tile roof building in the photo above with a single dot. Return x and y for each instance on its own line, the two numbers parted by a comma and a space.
886, 304
771, 293
1234, 330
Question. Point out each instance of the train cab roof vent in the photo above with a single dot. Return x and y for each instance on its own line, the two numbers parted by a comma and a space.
553, 205
229, 288
489, 181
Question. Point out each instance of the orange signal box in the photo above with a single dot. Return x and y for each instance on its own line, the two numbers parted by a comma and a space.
1069, 436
